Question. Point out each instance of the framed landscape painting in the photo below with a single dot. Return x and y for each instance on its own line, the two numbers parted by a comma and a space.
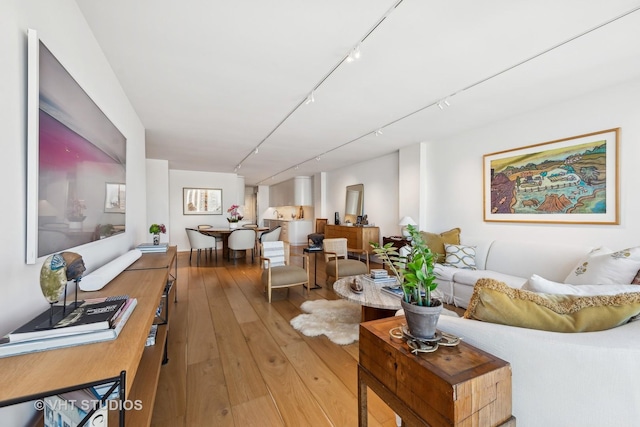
202, 201
572, 180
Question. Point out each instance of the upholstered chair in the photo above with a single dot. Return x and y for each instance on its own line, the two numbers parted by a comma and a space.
199, 242
242, 239
277, 270
272, 235
336, 255
218, 237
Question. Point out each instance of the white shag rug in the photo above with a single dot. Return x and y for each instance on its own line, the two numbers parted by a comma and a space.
339, 320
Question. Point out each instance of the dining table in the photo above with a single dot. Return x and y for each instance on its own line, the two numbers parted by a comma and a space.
224, 233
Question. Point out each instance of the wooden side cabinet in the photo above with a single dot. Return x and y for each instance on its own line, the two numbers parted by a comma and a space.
36, 375
357, 237
459, 386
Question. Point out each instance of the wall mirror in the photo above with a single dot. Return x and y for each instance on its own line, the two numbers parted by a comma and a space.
354, 205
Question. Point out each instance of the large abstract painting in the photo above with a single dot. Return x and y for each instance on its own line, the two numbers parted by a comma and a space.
571, 180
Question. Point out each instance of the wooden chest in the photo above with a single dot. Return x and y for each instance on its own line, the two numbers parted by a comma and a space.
454, 386
357, 237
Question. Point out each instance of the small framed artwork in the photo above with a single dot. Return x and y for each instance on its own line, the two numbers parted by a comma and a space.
114, 198
572, 180
202, 201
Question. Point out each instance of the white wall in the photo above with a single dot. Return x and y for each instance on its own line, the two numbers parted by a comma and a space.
178, 179
380, 179
158, 196
63, 29
454, 167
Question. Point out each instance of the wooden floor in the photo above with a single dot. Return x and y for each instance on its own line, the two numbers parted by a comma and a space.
234, 359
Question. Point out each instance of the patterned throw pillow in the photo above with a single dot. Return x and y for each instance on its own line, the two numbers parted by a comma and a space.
460, 256
605, 267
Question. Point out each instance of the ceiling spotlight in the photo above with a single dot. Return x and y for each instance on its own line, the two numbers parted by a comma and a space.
239, 166
318, 159
446, 101
354, 54
378, 132
297, 166
310, 98
256, 150
440, 105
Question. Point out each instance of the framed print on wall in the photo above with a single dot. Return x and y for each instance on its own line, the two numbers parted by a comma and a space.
572, 180
202, 201
114, 197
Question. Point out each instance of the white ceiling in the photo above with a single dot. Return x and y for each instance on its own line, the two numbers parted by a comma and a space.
212, 80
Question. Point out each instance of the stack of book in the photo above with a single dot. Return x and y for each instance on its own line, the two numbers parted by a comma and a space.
379, 276
94, 320
146, 248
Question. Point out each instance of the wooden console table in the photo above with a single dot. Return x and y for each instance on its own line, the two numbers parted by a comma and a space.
357, 237
36, 375
454, 386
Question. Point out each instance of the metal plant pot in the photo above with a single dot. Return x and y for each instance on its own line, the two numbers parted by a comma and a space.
421, 320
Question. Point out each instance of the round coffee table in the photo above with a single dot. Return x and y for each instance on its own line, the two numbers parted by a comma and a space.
375, 303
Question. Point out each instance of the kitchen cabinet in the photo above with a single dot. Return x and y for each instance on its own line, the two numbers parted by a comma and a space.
295, 232
297, 191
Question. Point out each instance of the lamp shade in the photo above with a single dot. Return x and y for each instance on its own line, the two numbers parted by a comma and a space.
407, 220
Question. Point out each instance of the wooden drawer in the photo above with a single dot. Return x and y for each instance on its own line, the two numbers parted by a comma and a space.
357, 237
454, 386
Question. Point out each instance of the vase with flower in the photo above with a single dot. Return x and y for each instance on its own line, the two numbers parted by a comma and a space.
234, 216
156, 229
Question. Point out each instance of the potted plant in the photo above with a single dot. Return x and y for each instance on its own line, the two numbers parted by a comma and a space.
414, 272
156, 229
234, 216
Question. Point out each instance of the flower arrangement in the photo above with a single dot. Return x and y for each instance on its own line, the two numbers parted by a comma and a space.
75, 210
234, 214
157, 229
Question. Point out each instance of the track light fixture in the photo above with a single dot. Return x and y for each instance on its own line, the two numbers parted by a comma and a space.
318, 159
256, 150
354, 54
310, 98
378, 132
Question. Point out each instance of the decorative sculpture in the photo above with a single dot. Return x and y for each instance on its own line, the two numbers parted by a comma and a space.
55, 273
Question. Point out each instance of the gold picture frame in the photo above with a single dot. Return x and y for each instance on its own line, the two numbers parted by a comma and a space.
570, 181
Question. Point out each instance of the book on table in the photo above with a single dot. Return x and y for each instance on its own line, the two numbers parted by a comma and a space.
151, 248
380, 280
92, 315
80, 338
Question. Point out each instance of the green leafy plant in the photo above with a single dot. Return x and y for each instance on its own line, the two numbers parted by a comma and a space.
414, 271
157, 229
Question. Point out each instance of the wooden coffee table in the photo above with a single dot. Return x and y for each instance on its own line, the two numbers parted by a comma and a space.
454, 386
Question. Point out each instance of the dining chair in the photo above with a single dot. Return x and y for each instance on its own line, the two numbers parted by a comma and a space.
338, 264
272, 235
199, 242
218, 237
277, 270
241, 239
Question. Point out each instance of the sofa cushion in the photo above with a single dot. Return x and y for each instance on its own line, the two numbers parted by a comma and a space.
470, 277
436, 241
460, 256
636, 280
605, 267
540, 284
493, 301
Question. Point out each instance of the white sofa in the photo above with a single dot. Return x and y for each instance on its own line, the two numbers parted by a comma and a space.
511, 262
559, 379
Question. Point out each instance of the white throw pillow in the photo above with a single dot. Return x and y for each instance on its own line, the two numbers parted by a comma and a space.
604, 267
542, 285
460, 256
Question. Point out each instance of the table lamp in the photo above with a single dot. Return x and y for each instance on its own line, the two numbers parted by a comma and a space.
407, 220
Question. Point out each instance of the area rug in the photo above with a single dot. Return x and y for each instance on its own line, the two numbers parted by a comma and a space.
337, 319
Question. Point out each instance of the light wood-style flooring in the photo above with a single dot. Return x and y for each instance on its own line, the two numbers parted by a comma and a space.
234, 359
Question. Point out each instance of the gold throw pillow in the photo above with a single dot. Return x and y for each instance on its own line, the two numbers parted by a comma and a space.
436, 241
495, 302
